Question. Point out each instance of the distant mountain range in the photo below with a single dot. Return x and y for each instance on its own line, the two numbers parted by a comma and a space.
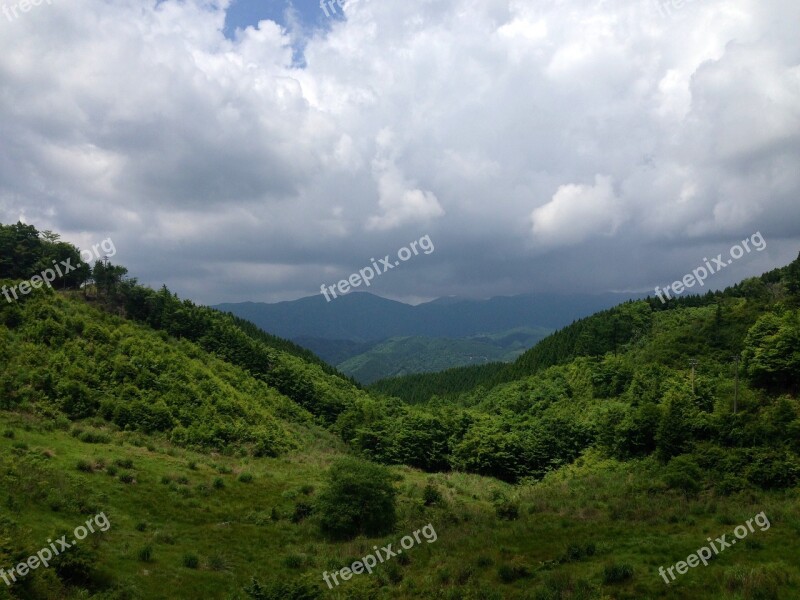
369, 337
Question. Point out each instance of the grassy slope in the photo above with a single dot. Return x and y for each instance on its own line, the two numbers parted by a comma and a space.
620, 509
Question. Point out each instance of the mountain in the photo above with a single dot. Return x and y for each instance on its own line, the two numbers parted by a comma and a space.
369, 338
364, 317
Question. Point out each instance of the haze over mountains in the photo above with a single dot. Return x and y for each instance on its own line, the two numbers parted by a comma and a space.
369, 337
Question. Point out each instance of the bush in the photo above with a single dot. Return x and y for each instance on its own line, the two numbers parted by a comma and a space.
359, 499
94, 437
84, 466
142, 526
511, 572
246, 477
218, 483
508, 511
127, 478
282, 590
617, 573
190, 561
124, 463
9, 434
302, 510
431, 495
683, 473
145, 554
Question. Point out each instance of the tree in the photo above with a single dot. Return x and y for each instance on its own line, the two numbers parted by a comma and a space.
359, 499
771, 352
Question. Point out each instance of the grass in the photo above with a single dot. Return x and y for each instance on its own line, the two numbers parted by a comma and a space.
598, 530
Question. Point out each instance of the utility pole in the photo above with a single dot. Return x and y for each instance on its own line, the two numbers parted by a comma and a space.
736, 360
694, 362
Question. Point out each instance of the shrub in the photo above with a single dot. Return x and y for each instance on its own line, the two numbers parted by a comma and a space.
508, 511
217, 562
142, 526
246, 477
359, 499
190, 561
145, 554
617, 573
218, 483
76, 567
683, 473
127, 478
124, 463
293, 561
431, 495
9, 434
281, 590
94, 437
84, 466
511, 572
112, 470
302, 510
307, 490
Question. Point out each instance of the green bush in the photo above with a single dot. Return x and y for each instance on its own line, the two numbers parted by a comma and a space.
190, 561
94, 437
431, 495
302, 510
683, 473
508, 511
145, 554
359, 499
246, 477
511, 572
84, 466
617, 573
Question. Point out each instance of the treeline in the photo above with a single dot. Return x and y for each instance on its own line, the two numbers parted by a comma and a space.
607, 331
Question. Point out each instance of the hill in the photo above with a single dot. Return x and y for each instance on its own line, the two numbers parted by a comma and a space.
370, 338
213, 451
364, 317
418, 354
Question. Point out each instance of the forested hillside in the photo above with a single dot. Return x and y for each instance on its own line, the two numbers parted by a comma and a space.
216, 449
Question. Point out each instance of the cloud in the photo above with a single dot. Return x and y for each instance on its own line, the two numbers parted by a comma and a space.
143, 121
578, 212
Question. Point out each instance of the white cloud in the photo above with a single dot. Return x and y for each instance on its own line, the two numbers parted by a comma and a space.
126, 117
577, 213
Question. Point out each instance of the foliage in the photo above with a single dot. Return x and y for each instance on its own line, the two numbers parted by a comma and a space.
359, 499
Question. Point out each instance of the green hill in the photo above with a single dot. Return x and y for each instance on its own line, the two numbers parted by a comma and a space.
417, 354
215, 452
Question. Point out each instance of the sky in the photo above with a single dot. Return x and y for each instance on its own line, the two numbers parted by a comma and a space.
258, 150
